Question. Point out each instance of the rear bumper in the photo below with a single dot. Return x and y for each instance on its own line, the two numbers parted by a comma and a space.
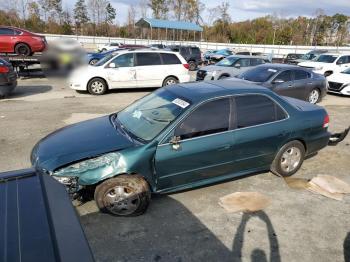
336, 138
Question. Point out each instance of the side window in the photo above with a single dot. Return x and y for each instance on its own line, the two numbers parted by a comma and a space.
184, 51
256, 61
126, 60
343, 60
195, 50
6, 31
255, 110
170, 59
244, 62
286, 76
301, 74
210, 118
146, 59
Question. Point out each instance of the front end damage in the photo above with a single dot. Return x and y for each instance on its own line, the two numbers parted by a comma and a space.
338, 137
80, 176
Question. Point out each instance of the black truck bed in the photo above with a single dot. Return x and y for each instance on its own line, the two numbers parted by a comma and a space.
38, 221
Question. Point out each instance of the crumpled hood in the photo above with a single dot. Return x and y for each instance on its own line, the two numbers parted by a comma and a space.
77, 142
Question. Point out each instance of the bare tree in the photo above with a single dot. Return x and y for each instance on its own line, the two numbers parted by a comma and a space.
143, 7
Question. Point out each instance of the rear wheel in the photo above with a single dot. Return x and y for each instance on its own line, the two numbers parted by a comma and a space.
124, 195
22, 49
97, 86
289, 159
170, 81
314, 96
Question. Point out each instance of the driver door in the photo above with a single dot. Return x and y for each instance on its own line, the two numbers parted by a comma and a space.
203, 149
121, 71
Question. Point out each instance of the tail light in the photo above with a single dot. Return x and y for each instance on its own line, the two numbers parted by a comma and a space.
326, 121
187, 66
4, 69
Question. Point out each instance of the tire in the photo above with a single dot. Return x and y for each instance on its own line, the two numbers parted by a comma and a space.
192, 65
288, 159
124, 195
23, 49
314, 96
97, 86
170, 80
93, 61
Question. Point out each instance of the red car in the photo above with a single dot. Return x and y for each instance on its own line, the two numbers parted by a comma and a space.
19, 41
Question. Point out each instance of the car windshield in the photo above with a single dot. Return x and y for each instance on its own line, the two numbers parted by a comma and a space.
347, 71
224, 52
258, 74
147, 117
228, 61
326, 58
105, 59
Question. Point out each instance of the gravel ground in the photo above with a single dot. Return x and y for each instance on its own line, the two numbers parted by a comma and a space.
191, 226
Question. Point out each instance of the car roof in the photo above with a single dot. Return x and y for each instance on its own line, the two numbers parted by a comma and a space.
280, 66
146, 50
204, 90
244, 56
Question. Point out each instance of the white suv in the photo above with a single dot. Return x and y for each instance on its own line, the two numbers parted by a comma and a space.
328, 63
131, 68
108, 46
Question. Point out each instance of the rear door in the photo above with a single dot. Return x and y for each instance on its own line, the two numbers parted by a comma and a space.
303, 84
149, 69
260, 131
7, 40
172, 65
124, 72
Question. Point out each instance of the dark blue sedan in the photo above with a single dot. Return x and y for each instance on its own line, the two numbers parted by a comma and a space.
93, 58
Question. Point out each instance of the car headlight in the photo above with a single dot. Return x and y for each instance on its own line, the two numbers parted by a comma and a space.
98, 167
319, 68
66, 180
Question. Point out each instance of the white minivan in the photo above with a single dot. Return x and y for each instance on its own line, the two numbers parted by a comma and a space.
131, 68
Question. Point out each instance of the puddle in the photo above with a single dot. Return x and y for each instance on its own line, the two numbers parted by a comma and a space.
244, 201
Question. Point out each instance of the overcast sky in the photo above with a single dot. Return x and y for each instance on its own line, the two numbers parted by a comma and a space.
249, 9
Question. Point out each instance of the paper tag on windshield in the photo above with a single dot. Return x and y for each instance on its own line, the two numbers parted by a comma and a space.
181, 103
272, 70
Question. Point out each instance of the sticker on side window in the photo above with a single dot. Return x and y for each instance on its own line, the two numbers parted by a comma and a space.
272, 70
181, 103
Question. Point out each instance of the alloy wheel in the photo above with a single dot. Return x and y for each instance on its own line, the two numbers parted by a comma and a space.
290, 159
314, 96
97, 87
121, 200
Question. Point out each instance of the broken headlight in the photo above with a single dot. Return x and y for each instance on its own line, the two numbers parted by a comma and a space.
66, 180
92, 169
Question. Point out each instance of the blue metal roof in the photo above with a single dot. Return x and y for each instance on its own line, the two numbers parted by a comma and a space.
158, 23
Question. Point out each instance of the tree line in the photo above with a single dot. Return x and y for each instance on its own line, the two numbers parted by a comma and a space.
98, 18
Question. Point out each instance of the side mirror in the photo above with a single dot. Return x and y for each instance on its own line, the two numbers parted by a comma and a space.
175, 143
237, 66
112, 65
278, 81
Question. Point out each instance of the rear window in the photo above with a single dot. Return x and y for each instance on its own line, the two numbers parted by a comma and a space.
258, 74
170, 59
255, 110
146, 59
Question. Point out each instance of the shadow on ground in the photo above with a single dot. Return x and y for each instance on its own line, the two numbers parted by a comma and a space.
24, 91
169, 232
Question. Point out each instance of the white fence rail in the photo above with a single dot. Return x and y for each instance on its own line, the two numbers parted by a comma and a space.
277, 50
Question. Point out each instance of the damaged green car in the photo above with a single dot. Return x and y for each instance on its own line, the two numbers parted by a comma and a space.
180, 137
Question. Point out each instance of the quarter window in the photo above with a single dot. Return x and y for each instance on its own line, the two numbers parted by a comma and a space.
210, 118
146, 59
126, 60
170, 59
255, 110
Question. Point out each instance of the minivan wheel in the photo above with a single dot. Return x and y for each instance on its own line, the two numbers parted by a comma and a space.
97, 86
170, 81
192, 65
124, 195
22, 49
314, 96
289, 159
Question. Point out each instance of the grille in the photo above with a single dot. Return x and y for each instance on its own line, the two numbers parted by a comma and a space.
201, 74
335, 86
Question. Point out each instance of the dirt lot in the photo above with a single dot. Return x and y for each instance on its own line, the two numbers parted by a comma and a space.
191, 226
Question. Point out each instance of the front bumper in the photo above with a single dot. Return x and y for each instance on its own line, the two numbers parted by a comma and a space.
338, 88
